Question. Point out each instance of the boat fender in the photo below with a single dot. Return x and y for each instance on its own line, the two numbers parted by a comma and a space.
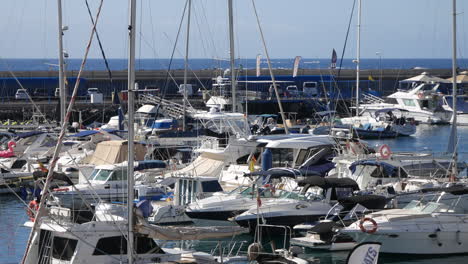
372, 221
458, 237
436, 237
33, 206
253, 251
385, 151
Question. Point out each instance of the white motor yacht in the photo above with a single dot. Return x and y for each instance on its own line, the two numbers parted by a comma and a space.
307, 206
109, 183
430, 229
421, 100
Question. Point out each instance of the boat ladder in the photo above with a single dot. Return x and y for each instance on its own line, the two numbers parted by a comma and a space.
372, 99
170, 108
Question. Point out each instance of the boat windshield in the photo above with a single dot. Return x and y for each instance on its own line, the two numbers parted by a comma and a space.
413, 205
431, 208
100, 175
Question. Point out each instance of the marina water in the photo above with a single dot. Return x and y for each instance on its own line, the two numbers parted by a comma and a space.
430, 139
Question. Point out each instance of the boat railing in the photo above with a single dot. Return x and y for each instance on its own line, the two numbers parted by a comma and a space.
227, 249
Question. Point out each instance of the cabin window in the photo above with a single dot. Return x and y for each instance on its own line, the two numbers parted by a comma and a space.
391, 101
409, 102
63, 248
101, 175
282, 157
119, 175
117, 245
211, 186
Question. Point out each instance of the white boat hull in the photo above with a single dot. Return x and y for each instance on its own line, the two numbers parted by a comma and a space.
450, 242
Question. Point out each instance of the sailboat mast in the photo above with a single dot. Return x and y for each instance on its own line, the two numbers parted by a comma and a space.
130, 111
184, 103
454, 88
63, 93
358, 56
232, 56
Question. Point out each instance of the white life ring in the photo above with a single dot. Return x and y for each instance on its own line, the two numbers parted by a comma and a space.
385, 151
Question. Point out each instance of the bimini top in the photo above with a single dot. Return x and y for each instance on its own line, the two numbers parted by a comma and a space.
86, 133
326, 183
369, 201
426, 78
389, 169
296, 141
138, 165
276, 173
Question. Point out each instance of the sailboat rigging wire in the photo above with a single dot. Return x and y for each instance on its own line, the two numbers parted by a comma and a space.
58, 147
270, 68
168, 72
346, 38
106, 62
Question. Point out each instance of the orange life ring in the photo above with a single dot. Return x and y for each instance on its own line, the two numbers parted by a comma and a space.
372, 221
33, 206
385, 151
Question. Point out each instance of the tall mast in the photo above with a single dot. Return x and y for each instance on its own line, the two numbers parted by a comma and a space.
358, 56
130, 111
232, 56
453, 137
63, 93
186, 63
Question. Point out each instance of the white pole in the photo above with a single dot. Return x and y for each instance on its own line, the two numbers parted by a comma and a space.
186, 64
130, 111
232, 56
358, 56
454, 91
63, 92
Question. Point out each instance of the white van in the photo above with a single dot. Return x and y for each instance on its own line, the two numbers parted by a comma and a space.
21, 94
310, 89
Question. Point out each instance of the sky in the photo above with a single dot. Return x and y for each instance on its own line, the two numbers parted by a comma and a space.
307, 28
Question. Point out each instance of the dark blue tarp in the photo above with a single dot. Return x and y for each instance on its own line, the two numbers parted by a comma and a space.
150, 164
29, 134
389, 169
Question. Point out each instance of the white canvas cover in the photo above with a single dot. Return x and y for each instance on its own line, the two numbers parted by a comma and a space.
204, 165
115, 151
425, 77
461, 78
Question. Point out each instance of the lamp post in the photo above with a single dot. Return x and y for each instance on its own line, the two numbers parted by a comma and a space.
378, 53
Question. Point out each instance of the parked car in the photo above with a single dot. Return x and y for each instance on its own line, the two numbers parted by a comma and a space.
310, 89
21, 94
292, 90
93, 91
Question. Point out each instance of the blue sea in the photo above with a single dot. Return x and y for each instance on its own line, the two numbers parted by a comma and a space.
431, 139
96, 64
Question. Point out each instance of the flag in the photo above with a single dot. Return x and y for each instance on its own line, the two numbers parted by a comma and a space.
333, 60
297, 60
259, 201
259, 61
252, 162
370, 78
42, 167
